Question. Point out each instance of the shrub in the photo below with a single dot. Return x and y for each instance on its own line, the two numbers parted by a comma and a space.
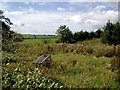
89, 49
8, 57
80, 49
32, 80
109, 53
17, 37
45, 41
104, 50
116, 62
57, 41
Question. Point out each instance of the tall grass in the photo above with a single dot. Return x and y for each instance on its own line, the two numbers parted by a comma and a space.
76, 70
73, 65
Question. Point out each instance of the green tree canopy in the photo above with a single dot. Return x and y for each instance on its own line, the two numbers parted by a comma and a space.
98, 33
80, 36
65, 34
8, 36
111, 33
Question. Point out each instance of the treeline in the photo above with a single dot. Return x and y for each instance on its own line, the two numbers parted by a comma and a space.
84, 35
109, 34
66, 36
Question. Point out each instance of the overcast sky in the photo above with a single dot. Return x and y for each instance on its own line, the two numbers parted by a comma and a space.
45, 18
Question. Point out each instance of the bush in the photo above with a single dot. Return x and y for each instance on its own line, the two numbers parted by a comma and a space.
8, 57
104, 50
17, 37
57, 41
109, 53
80, 49
32, 80
45, 41
89, 49
116, 62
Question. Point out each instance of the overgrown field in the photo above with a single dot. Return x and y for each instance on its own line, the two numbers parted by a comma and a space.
82, 65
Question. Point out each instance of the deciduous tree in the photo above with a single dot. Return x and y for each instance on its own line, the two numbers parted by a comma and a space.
65, 34
111, 33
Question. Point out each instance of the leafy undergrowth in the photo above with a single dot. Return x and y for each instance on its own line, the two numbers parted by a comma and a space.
71, 65
25, 75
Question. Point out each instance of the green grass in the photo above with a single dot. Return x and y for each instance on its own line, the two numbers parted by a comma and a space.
39, 39
53, 40
27, 36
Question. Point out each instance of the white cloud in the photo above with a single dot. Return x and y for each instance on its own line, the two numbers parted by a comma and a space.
100, 7
42, 3
26, 2
61, 9
31, 9
74, 18
93, 19
39, 22
16, 13
35, 22
29, 2
18, 24
90, 21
